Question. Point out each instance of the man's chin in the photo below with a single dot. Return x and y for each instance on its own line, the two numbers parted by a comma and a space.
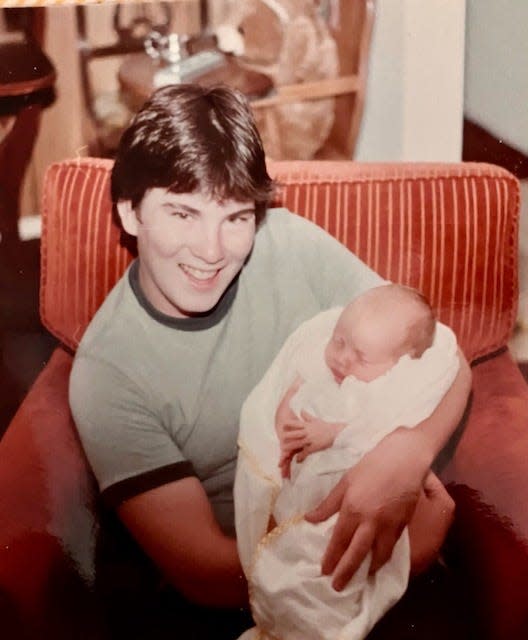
200, 308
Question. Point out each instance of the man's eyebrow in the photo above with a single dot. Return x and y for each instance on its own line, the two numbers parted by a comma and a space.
242, 211
172, 204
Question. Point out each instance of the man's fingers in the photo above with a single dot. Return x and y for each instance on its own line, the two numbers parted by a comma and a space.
342, 534
330, 505
307, 417
356, 552
432, 484
381, 552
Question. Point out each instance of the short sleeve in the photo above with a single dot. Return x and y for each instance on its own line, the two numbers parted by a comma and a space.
129, 449
336, 274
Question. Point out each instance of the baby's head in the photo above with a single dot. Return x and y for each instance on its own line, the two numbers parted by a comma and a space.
376, 329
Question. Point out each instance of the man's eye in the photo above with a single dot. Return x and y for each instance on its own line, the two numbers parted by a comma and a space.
182, 215
246, 217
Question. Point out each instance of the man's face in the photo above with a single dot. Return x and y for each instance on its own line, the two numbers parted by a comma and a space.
190, 247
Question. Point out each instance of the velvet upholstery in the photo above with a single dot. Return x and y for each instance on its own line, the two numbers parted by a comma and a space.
448, 229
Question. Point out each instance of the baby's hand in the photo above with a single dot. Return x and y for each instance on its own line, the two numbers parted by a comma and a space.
292, 439
284, 415
318, 434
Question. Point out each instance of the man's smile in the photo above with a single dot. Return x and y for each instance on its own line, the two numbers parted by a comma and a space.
200, 276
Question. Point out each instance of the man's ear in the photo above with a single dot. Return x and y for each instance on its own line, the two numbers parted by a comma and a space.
128, 217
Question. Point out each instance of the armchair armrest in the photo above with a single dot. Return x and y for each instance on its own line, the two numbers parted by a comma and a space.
487, 477
47, 519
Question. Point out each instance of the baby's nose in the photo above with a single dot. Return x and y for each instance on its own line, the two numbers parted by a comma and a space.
345, 360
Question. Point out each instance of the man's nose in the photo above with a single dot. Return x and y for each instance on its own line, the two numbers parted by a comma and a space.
208, 244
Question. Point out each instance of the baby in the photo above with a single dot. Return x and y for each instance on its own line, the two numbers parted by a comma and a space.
371, 334
351, 377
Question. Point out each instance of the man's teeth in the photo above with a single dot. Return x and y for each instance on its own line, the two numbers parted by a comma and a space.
199, 274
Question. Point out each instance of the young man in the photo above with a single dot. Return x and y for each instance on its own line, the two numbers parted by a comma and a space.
165, 365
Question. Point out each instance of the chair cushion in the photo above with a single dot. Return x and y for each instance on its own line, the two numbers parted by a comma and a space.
487, 479
449, 230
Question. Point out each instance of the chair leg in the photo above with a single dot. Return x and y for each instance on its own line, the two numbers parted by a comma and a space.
15, 156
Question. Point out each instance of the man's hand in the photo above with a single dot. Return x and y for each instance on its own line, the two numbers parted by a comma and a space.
434, 514
376, 500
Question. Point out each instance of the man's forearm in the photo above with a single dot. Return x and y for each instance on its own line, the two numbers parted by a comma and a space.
176, 527
218, 579
436, 430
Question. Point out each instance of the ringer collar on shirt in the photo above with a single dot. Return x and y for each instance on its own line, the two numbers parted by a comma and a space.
195, 323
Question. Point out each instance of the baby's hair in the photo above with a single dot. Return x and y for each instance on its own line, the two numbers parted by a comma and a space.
417, 326
421, 331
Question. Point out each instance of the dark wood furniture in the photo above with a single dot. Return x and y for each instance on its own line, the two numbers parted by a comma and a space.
26, 87
136, 77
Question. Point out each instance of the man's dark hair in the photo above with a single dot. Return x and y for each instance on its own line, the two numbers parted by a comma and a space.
188, 138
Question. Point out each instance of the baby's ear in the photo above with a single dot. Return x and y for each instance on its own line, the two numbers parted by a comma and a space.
127, 215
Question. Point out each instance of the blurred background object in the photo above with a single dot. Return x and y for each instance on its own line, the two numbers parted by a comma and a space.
130, 27
27, 78
316, 54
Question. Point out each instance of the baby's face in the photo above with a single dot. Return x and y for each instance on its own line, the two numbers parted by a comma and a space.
361, 346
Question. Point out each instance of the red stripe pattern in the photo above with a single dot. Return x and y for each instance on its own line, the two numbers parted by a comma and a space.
448, 229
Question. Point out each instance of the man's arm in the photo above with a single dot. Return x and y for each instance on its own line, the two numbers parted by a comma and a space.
174, 522
434, 514
377, 498
176, 527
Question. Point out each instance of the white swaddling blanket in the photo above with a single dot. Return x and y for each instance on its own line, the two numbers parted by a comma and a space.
290, 598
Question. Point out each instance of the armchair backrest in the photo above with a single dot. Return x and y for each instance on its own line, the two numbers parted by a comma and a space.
448, 229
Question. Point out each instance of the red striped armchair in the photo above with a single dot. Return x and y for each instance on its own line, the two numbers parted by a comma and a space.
450, 230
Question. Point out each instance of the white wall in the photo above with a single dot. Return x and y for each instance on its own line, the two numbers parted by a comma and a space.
414, 98
496, 94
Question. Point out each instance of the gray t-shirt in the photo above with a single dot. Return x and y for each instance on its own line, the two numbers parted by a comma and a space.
156, 398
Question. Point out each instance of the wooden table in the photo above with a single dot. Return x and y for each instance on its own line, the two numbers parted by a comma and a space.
136, 78
26, 87
24, 68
